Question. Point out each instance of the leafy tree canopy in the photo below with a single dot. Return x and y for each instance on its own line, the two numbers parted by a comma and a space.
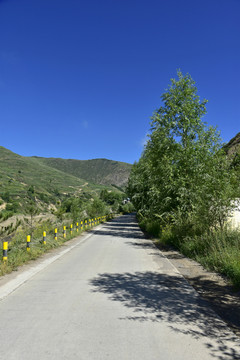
182, 177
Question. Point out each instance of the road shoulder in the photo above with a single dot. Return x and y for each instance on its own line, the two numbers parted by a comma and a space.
211, 286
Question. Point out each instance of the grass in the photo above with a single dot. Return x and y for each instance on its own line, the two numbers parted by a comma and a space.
218, 251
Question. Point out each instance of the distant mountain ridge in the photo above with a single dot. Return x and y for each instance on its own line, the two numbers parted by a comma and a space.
233, 146
98, 171
232, 149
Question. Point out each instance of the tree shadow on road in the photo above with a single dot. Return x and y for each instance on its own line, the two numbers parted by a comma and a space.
168, 298
129, 220
119, 233
115, 223
120, 229
143, 245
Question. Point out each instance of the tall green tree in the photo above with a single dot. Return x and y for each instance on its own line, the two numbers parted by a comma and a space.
183, 176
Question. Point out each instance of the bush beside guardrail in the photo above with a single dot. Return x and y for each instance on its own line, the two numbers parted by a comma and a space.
22, 247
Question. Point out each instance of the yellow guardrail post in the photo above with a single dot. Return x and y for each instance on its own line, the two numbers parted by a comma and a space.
44, 238
28, 242
55, 234
71, 227
86, 224
77, 226
5, 250
81, 225
64, 232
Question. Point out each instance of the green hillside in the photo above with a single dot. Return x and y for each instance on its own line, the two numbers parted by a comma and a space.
23, 179
99, 171
18, 172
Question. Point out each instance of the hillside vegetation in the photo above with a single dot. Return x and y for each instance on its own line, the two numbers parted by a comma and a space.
18, 172
184, 187
99, 171
32, 186
22, 176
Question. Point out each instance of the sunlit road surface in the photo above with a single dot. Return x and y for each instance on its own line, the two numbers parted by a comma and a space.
112, 296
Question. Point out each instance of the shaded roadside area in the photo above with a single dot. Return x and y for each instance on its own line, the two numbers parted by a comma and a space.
211, 286
159, 297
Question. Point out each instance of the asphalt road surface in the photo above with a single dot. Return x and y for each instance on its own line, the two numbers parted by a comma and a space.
109, 295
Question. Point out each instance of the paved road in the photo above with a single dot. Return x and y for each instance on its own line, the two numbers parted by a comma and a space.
112, 296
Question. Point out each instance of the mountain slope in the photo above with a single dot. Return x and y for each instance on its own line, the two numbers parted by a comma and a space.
233, 146
232, 149
48, 181
98, 171
19, 175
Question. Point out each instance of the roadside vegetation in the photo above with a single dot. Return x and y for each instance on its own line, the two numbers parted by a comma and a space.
47, 183
185, 187
17, 249
70, 212
35, 213
32, 187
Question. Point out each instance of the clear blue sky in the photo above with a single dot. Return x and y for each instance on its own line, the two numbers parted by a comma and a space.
81, 79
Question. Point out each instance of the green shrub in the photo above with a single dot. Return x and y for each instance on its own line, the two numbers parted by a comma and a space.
6, 214
6, 196
13, 206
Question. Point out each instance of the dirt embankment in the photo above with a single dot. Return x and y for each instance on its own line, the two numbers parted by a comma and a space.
36, 220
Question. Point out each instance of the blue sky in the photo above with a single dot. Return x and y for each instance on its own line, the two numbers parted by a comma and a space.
81, 79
